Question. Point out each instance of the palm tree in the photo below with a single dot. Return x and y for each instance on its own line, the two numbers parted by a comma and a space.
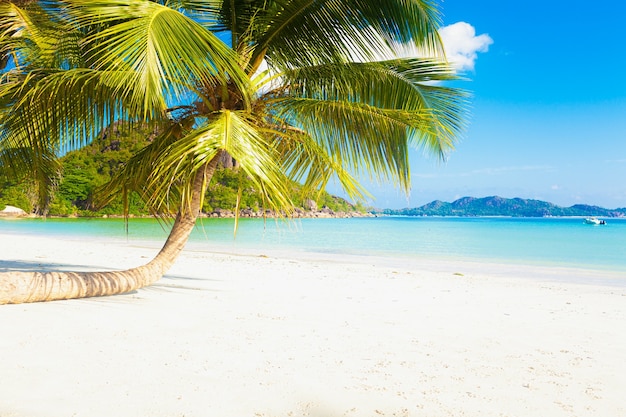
293, 90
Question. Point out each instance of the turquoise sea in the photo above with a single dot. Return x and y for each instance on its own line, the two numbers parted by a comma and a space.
561, 242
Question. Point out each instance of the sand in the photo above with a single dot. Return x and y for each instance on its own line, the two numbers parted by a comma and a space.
263, 336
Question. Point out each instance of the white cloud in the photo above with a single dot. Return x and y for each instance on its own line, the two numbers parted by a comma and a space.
462, 45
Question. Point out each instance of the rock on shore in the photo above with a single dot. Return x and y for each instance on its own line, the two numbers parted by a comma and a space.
12, 211
298, 213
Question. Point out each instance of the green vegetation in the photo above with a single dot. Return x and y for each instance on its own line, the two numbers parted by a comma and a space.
85, 170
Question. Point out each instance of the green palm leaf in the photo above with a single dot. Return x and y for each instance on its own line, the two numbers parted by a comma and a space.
366, 114
162, 170
305, 32
159, 51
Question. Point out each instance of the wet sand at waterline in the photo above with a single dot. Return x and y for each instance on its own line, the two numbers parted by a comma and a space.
262, 336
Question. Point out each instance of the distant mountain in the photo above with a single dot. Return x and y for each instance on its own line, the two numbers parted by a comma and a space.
498, 206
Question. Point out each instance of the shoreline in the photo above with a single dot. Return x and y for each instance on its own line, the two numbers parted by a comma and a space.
299, 238
258, 335
495, 268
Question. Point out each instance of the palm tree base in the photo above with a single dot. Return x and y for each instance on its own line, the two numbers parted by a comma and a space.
27, 287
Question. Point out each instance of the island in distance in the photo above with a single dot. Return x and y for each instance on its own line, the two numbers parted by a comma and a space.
498, 206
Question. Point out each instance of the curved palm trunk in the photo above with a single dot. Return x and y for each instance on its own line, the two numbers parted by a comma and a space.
27, 287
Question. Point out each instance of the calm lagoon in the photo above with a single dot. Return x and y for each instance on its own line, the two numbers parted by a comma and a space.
562, 242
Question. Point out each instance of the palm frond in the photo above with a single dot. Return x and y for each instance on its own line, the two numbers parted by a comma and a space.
407, 84
18, 29
307, 162
366, 114
305, 32
161, 172
67, 108
240, 136
158, 49
362, 138
34, 36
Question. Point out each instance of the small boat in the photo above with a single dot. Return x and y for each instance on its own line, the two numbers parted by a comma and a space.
594, 221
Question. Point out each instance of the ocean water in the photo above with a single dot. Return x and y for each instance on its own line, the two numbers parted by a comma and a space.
561, 242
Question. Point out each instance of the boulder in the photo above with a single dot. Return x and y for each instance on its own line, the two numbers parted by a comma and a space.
11, 211
310, 205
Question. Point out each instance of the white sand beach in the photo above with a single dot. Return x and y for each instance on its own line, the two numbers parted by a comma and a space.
259, 336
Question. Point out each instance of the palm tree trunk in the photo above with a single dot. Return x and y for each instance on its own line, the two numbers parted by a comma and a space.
27, 287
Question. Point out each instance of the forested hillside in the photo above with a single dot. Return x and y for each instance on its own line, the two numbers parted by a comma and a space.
498, 206
84, 170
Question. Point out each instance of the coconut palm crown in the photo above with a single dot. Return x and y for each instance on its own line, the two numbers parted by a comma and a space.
293, 90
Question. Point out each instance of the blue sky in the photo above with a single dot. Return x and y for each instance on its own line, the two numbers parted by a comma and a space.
548, 118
